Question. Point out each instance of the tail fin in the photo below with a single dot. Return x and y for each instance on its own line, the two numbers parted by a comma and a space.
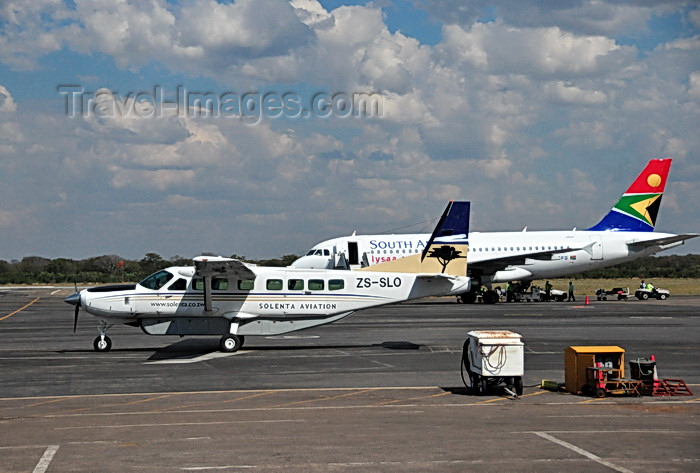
446, 250
637, 209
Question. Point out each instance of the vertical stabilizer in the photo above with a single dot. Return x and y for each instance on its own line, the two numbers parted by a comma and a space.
637, 209
446, 250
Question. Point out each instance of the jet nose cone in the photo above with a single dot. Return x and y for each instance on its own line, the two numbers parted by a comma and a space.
73, 299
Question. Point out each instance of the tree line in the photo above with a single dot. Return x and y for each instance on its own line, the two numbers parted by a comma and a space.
105, 269
114, 269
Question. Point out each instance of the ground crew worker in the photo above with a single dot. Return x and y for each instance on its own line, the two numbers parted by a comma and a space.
642, 285
547, 291
571, 291
650, 286
509, 292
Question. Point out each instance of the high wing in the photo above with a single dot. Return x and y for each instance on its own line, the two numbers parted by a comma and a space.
638, 245
207, 266
210, 266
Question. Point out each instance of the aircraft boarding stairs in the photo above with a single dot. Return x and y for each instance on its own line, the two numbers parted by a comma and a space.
337, 261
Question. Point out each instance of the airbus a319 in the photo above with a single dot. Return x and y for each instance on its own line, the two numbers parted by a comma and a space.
625, 233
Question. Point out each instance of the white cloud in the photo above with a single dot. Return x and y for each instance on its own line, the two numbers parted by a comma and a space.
7, 103
500, 49
575, 95
585, 17
514, 115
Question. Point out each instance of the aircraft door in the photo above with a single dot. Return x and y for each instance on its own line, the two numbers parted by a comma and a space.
353, 255
597, 248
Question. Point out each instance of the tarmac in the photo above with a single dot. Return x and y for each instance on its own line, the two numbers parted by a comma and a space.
378, 391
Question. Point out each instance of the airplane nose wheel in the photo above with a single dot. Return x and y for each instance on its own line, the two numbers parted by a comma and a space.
231, 343
102, 342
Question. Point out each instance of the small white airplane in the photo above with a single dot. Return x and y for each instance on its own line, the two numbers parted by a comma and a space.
625, 233
226, 297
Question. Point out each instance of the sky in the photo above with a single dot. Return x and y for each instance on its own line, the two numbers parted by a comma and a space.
261, 127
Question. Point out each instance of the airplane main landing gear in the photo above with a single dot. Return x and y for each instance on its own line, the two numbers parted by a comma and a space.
231, 343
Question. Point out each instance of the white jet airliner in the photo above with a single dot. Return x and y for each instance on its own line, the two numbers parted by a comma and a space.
625, 233
232, 299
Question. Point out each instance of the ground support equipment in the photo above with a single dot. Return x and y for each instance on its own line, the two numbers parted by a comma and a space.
493, 357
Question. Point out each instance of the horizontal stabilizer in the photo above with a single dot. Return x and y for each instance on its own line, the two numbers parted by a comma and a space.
674, 240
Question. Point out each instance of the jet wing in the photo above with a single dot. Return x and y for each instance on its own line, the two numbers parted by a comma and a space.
498, 263
208, 266
664, 241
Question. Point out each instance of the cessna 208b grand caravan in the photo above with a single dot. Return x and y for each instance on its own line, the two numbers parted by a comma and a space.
226, 297
625, 233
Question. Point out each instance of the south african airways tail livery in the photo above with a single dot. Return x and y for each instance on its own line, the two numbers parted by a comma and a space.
625, 233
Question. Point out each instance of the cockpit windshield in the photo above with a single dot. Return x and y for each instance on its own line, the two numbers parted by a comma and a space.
319, 252
157, 280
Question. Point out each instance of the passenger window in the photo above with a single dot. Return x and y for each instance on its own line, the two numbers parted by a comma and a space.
246, 284
198, 284
219, 284
336, 284
179, 285
295, 284
274, 285
316, 284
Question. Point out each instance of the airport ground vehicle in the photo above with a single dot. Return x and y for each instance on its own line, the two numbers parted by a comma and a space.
619, 293
655, 293
491, 358
538, 294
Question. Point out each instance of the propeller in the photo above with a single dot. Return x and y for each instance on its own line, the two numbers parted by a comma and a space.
74, 299
75, 318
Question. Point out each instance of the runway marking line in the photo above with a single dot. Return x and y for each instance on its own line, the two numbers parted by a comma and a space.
144, 400
537, 393
581, 451
19, 310
324, 398
48, 402
177, 424
46, 458
251, 396
411, 399
590, 401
